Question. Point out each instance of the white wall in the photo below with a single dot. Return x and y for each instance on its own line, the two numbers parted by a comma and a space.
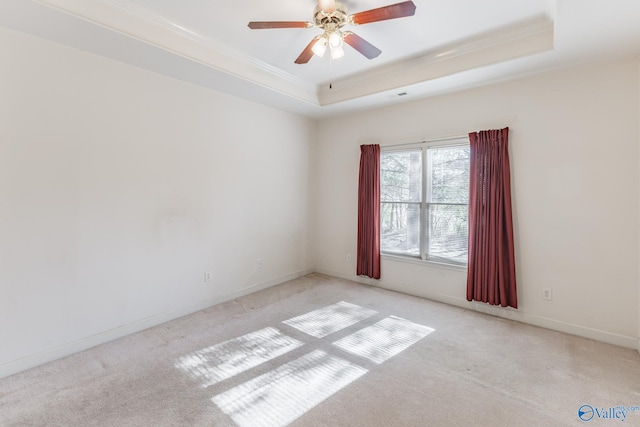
119, 188
574, 152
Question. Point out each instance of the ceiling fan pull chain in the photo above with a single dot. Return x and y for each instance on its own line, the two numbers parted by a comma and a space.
330, 72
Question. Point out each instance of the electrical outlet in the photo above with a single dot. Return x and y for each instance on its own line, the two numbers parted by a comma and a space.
259, 263
547, 294
348, 257
207, 276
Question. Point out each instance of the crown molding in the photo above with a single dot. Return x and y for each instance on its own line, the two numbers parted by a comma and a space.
525, 38
131, 19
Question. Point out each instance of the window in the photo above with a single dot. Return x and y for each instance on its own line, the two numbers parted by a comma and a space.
424, 209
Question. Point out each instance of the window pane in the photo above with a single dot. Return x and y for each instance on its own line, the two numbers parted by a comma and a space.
448, 233
449, 174
400, 228
401, 176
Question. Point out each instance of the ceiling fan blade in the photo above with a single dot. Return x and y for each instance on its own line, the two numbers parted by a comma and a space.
398, 10
307, 53
266, 25
327, 6
361, 45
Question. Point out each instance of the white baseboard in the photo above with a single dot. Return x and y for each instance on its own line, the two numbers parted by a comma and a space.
85, 343
517, 315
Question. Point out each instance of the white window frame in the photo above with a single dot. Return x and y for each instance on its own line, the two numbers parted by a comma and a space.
425, 206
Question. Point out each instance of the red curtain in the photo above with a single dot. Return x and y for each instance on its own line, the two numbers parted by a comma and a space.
368, 263
491, 276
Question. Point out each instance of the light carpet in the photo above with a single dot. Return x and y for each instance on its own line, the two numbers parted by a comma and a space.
320, 351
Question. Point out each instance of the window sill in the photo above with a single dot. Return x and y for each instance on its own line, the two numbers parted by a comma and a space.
418, 261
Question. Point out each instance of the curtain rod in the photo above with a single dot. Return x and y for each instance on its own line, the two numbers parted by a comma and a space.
447, 138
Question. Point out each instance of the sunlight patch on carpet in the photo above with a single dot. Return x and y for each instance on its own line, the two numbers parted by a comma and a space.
383, 340
279, 397
227, 359
324, 321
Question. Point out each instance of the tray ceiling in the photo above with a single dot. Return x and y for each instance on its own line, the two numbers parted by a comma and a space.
446, 46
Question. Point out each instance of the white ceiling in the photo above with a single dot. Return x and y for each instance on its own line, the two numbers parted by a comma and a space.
448, 45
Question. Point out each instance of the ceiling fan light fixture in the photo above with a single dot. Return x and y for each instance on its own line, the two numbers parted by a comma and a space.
320, 46
336, 43
337, 52
335, 40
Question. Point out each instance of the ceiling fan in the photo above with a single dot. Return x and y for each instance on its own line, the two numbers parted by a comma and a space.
331, 16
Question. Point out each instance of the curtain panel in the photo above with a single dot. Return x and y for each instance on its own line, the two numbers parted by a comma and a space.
368, 258
491, 276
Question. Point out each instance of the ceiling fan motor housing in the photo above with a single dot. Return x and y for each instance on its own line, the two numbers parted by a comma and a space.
330, 21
